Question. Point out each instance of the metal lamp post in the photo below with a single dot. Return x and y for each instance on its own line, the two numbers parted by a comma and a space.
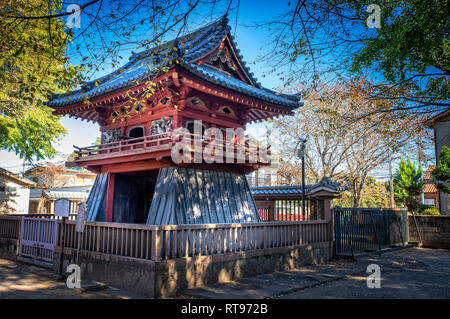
301, 154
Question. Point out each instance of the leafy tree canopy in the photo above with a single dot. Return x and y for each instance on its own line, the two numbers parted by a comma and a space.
32, 66
326, 39
413, 37
442, 171
408, 184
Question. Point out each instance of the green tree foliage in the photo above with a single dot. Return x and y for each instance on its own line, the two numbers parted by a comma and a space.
32, 66
442, 171
413, 37
410, 49
373, 195
408, 184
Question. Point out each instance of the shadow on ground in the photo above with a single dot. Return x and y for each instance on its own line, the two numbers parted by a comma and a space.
406, 273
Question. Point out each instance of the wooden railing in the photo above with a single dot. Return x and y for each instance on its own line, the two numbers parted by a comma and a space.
181, 241
129, 240
184, 241
165, 141
10, 227
150, 143
46, 216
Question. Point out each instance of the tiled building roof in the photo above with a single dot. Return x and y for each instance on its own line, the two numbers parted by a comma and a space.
430, 188
427, 176
192, 47
25, 182
324, 184
428, 181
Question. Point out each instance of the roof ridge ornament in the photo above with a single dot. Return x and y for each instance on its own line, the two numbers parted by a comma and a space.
225, 19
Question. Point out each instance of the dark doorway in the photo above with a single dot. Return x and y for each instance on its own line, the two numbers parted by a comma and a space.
136, 132
132, 197
190, 127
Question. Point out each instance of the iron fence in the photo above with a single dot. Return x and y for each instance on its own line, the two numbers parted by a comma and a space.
363, 229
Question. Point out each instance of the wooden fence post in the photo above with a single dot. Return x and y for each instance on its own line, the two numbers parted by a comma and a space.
265, 237
328, 216
156, 240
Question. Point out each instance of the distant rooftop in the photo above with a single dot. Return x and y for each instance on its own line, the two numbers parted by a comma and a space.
25, 182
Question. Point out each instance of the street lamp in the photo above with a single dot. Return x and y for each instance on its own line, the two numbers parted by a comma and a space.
301, 145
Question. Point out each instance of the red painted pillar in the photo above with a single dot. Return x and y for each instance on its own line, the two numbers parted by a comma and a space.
110, 197
177, 121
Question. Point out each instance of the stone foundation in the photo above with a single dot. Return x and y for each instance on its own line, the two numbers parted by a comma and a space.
9, 248
167, 278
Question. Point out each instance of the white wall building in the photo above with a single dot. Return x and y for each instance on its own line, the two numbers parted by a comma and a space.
14, 193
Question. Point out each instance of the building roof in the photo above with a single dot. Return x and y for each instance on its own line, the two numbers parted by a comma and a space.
440, 117
191, 47
430, 188
25, 182
427, 176
70, 192
54, 195
290, 190
428, 181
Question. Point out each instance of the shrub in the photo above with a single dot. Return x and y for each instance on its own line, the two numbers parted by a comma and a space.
426, 210
431, 211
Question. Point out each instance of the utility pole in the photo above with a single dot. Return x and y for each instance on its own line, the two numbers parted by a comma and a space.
419, 157
391, 182
301, 155
391, 186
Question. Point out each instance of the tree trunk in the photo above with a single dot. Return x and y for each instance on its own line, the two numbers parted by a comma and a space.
41, 204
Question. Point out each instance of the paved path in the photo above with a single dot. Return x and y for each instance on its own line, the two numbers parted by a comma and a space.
406, 273
22, 281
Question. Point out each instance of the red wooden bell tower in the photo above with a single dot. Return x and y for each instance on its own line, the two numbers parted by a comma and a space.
141, 108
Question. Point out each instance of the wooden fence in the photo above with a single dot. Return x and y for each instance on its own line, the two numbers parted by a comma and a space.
184, 241
181, 241
129, 240
204, 240
10, 227
45, 216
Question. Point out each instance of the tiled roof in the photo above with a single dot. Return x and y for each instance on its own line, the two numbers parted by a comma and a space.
218, 77
428, 181
54, 195
25, 182
427, 175
430, 188
193, 47
439, 117
278, 190
325, 183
